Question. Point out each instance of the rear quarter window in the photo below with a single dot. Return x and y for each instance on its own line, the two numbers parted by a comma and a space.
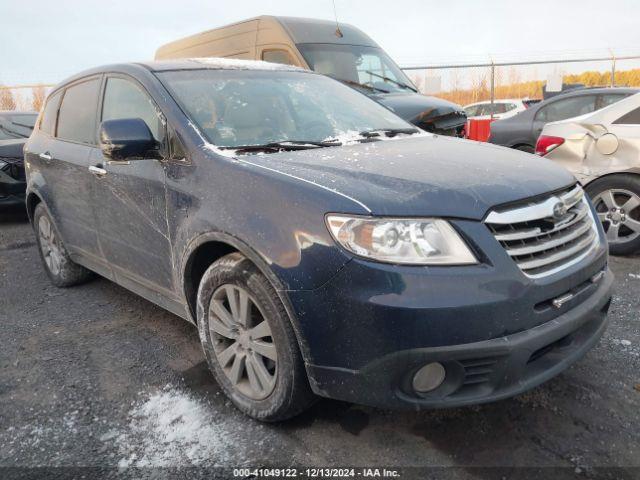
50, 114
77, 115
631, 118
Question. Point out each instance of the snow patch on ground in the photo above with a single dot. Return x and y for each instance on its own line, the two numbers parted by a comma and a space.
633, 275
171, 428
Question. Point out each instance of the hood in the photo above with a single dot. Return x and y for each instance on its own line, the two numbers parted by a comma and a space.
420, 109
426, 175
12, 148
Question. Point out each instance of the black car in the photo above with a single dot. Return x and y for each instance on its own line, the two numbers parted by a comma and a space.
357, 60
15, 128
522, 131
321, 244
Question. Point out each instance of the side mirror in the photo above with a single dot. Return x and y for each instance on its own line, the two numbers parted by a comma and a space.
126, 139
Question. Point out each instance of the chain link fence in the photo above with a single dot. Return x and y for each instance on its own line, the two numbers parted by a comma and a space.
469, 83
460, 83
23, 97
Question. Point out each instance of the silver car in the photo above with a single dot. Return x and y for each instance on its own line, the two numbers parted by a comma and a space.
602, 149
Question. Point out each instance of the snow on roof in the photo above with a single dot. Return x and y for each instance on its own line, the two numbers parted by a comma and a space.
239, 64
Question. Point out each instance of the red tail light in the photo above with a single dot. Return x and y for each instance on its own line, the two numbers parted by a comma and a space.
546, 143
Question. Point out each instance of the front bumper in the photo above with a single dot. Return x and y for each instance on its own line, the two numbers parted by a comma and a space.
476, 372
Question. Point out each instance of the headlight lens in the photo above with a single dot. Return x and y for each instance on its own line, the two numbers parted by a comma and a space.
2, 164
423, 241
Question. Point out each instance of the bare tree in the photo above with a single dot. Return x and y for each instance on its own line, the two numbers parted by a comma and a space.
38, 94
7, 100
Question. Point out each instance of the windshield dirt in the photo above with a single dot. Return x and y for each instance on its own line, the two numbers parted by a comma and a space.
236, 108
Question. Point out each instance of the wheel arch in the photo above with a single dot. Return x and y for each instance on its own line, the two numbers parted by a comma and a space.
635, 171
522, 144
209, 247
32, 201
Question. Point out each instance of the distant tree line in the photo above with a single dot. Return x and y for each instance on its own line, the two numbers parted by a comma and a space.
508, 84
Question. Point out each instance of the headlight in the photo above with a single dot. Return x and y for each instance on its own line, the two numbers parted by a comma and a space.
2, 164
415, 241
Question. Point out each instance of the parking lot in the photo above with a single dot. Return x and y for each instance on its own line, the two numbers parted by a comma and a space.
95, 376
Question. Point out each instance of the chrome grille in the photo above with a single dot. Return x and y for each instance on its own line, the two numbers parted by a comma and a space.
546, 236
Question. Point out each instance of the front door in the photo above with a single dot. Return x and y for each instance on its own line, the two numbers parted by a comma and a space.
131, 196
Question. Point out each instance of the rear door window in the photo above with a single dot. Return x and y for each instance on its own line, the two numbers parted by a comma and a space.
472, 111
608, 98
77, 116
124, 99
567, 108
50, 114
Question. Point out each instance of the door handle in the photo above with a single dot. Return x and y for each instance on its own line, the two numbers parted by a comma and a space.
45, 156
97, 171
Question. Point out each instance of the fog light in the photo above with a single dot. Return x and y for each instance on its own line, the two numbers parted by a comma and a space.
429, 377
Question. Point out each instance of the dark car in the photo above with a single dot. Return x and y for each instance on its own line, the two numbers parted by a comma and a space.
386, 83
522, 131
321, 244
15, 128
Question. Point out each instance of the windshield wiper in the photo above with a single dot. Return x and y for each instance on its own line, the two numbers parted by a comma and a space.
396, 82
363, 85
284, 145
388, 132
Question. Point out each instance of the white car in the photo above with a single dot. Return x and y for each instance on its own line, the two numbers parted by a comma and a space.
602, 149
503, 108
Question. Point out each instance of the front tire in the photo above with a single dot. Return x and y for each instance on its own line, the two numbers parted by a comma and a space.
616, 199
249, 342
62, 271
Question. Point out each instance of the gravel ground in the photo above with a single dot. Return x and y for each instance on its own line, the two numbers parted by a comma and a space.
94, 376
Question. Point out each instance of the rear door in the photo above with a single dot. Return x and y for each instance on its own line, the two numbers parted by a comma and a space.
132, 215
65, 160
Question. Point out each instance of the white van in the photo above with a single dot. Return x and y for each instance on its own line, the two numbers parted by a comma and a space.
340, 51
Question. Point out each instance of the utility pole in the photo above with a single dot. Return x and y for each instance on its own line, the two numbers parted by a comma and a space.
613, 69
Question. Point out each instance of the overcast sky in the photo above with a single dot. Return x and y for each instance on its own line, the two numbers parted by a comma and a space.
47, 40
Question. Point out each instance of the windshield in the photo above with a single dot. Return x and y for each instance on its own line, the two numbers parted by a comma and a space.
369, 66
235, 108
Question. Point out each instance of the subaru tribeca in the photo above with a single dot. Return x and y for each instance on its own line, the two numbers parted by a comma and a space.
321, 244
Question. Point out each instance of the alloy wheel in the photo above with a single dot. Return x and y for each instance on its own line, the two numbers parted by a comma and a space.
619, 212
50, 245
242, 341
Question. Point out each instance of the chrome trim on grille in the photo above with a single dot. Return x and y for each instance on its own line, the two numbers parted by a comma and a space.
536, 211
547, 236
583, 209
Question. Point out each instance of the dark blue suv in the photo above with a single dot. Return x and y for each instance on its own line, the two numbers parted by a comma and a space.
321, 244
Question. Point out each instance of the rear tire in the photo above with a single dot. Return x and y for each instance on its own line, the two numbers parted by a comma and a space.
249, 342
62, 271
616, 199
